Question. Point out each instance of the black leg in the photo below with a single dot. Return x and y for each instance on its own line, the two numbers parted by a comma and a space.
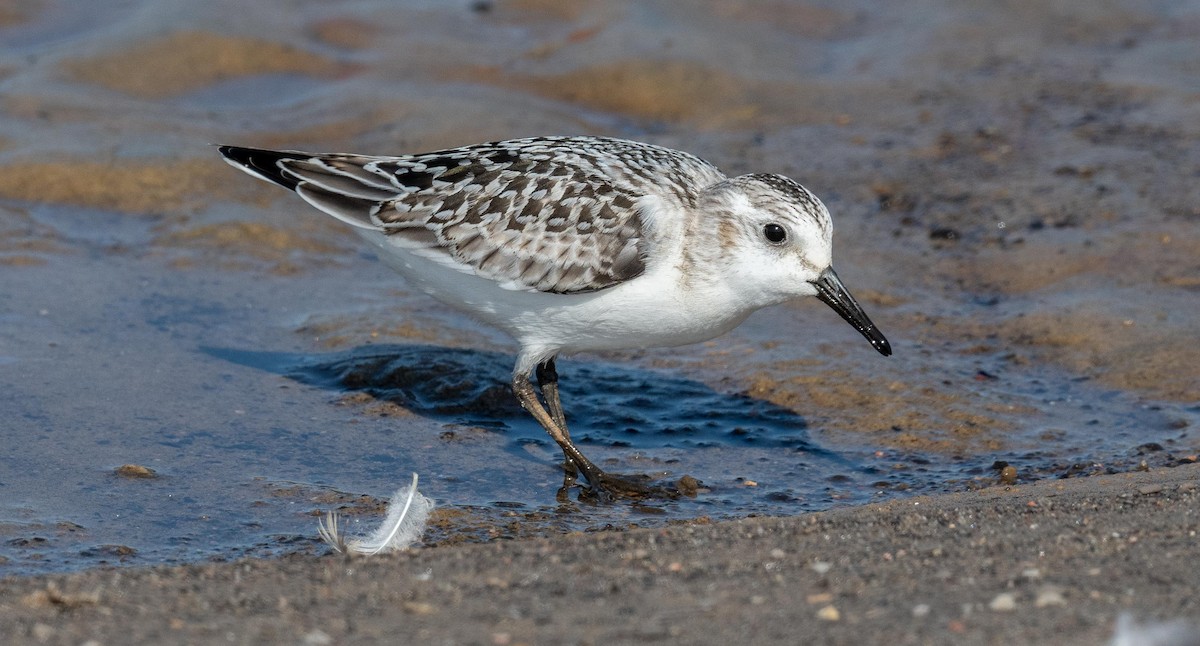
602, 485
547, 378
529, 401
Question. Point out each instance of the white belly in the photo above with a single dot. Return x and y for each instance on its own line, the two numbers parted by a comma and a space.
652, 310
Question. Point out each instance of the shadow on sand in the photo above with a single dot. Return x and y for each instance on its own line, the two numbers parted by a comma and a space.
606, 404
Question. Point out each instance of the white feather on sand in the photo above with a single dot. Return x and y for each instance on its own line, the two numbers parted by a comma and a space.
1130, 632
408, 512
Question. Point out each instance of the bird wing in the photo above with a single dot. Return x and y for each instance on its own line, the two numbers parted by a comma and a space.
561, 215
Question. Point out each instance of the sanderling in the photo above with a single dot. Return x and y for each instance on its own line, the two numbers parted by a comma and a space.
572, 244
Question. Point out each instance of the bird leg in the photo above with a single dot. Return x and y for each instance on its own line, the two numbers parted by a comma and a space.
554, 424
547, 378
602, 484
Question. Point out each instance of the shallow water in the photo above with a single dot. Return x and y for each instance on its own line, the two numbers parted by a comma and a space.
1014, 190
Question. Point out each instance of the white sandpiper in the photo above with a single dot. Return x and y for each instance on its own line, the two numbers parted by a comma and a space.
572, 244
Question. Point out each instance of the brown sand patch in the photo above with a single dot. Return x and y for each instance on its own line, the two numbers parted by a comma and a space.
897, 414
350, 331
558, 10
660, 90
49, 110
14, 12
1171, 258
1030, 268
347, 33
801, 19
22, 261
331, 135
30, 243
1148, 355
683, 91
575, 37
1151, 354
139, 186
188, 60
251, 240
374, 407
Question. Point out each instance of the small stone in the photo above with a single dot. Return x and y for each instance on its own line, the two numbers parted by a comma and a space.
920, 610
42, 632
419, 608
944, 233
829, 613
316, 637
135, 471
1008, 475
1146, 490
1032, 573
821, 567
688, 486
778, 553
1050, 595
1004, 602
818, 598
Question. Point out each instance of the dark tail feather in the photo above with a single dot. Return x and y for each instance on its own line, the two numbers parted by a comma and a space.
264, 163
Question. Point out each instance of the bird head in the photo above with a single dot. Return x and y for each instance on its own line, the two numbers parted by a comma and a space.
777, 240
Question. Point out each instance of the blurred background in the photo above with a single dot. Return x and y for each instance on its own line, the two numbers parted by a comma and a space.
194, 364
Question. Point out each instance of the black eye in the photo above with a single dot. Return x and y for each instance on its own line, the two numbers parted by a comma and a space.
774, 233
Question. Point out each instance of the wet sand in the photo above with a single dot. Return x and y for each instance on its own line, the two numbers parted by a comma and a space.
1056, 561
1015, 196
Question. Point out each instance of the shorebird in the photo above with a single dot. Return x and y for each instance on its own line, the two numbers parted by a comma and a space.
574, 244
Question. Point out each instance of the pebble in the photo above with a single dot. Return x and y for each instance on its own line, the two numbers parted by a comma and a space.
829, 613
42, 632
135, 471
1146, 490
316, 638
821, 567
1050, 595
920, 610
1004, 602
419, 608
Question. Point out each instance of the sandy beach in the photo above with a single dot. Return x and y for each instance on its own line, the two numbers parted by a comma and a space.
194, 366
1052, 562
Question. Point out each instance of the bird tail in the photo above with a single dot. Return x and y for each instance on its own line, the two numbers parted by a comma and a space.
264, 164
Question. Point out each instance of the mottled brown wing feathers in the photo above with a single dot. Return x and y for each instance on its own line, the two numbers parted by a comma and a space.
548, 214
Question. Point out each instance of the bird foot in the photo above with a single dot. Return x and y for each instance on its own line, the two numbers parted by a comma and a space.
604, 487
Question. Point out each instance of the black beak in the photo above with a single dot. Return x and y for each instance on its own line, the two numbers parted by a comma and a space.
833, 293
